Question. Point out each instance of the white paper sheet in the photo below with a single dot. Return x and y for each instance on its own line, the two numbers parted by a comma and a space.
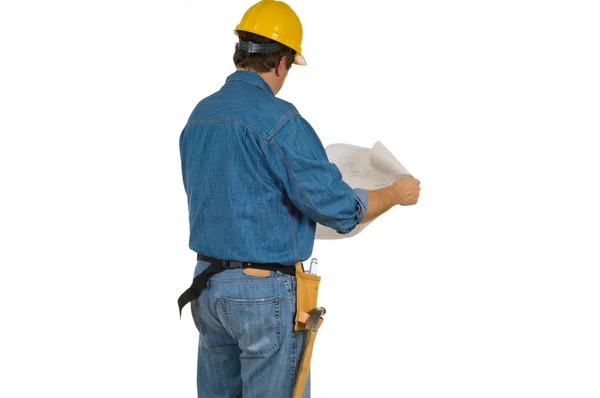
366, 168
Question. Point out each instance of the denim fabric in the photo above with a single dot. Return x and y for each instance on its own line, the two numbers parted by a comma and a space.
257, 177
257, 180
247, 345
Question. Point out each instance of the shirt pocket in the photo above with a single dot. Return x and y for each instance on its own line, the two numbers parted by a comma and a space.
254, 323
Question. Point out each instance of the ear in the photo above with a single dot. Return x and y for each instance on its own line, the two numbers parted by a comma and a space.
281, 66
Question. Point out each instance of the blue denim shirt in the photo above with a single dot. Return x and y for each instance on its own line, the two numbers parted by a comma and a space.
257, 177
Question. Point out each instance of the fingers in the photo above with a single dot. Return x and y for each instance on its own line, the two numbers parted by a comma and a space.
410, 192
413, 181
409, 189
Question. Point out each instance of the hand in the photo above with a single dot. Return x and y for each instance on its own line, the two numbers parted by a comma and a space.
407, 189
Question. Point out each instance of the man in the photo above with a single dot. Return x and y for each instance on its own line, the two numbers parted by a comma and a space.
257, 179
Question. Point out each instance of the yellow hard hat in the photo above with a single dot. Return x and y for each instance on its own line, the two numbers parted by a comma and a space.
277, 21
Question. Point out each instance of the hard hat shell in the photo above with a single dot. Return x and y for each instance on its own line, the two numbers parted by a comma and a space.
277, 21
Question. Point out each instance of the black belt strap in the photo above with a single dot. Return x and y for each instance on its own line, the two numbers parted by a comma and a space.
200, 282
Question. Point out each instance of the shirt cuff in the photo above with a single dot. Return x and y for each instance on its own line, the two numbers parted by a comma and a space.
362, 200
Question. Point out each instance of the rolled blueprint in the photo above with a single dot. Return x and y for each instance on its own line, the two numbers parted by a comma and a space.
382, 159
366, 168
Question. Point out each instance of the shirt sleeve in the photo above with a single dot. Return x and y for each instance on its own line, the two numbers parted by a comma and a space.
314, 185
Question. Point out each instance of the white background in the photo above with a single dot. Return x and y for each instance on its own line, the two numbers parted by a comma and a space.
489, 287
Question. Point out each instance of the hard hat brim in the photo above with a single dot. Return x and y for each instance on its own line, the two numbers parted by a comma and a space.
299, 60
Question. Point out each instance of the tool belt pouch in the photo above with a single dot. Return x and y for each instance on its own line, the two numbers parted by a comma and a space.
307, 292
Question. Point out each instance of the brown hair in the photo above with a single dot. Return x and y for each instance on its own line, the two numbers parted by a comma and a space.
258, 62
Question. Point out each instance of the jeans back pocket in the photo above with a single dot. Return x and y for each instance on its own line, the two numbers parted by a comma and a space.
254, 323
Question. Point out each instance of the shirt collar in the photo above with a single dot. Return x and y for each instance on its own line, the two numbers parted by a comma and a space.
250, 77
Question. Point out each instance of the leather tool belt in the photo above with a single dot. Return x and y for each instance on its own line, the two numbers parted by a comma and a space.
200, 282
309, 317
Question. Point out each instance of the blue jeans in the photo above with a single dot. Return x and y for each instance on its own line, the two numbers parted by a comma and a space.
248, 347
